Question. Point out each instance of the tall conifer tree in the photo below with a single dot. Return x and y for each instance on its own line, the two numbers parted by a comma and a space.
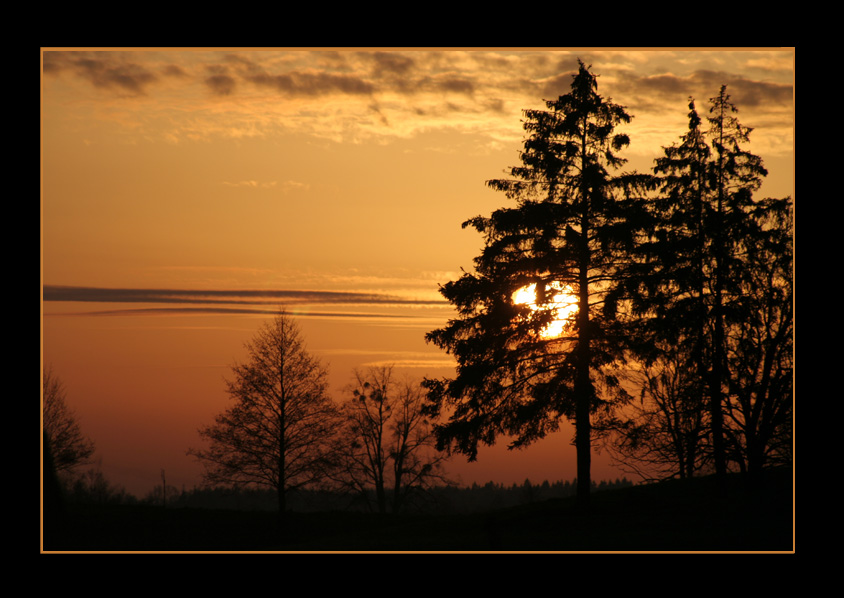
735, 176
569, 236
698, 267
668, 285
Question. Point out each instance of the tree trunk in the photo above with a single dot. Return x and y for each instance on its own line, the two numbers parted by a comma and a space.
717, 374
583, 443
583, 392
583, 386
381, 496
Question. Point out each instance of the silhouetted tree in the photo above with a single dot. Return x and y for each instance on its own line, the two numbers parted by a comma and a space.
68, 446
663, 433
695, 289
572, 231
277, 431
386, 444
760, 349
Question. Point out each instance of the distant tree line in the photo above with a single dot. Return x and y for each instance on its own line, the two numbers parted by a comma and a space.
439, 499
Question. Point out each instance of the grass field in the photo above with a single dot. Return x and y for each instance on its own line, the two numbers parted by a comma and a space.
691, 515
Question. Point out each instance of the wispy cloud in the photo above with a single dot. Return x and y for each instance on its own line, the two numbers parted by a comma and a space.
263, 185
399, 359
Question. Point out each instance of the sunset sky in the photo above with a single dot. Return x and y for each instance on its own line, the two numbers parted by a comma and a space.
186, 194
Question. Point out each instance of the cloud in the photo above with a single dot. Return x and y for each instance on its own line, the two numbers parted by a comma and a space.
392, 62
248, 297
398, 93
258, 185
106, 70
355, 73
413, 363
452, 83
399, 359
285, 187
161, 311
312, 83
219, 82
703, 84
174, 70
289, 186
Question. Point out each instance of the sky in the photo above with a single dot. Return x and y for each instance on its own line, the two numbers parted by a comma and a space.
187, 194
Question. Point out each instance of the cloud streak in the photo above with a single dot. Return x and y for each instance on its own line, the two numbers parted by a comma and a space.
227, 311
241, 302
236, 297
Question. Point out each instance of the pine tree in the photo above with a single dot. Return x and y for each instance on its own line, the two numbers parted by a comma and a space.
522, 365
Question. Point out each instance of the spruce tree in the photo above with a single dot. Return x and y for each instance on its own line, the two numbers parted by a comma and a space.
668, 286
735, 175
694, 284
566, 242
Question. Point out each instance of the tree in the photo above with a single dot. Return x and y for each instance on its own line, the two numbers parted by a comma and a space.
705, 278
760, 350
68, 447
387, 442
276, 432
570, 234
663, 434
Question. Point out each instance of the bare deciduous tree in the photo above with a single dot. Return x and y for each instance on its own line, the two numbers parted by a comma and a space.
276, 432
387, 444
68, 447
663, 434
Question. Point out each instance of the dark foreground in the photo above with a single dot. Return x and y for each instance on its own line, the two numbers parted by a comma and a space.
672, 516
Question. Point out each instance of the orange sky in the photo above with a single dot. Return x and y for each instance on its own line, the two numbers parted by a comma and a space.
343, 173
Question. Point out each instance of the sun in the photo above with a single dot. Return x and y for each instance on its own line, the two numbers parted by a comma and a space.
562, 303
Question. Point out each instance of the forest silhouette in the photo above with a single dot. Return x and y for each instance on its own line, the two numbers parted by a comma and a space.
678, 360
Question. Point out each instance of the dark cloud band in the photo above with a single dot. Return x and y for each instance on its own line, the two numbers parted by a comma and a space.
249, 297
164, 311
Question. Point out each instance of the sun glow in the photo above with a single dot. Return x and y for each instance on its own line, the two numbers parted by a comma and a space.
562, 303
